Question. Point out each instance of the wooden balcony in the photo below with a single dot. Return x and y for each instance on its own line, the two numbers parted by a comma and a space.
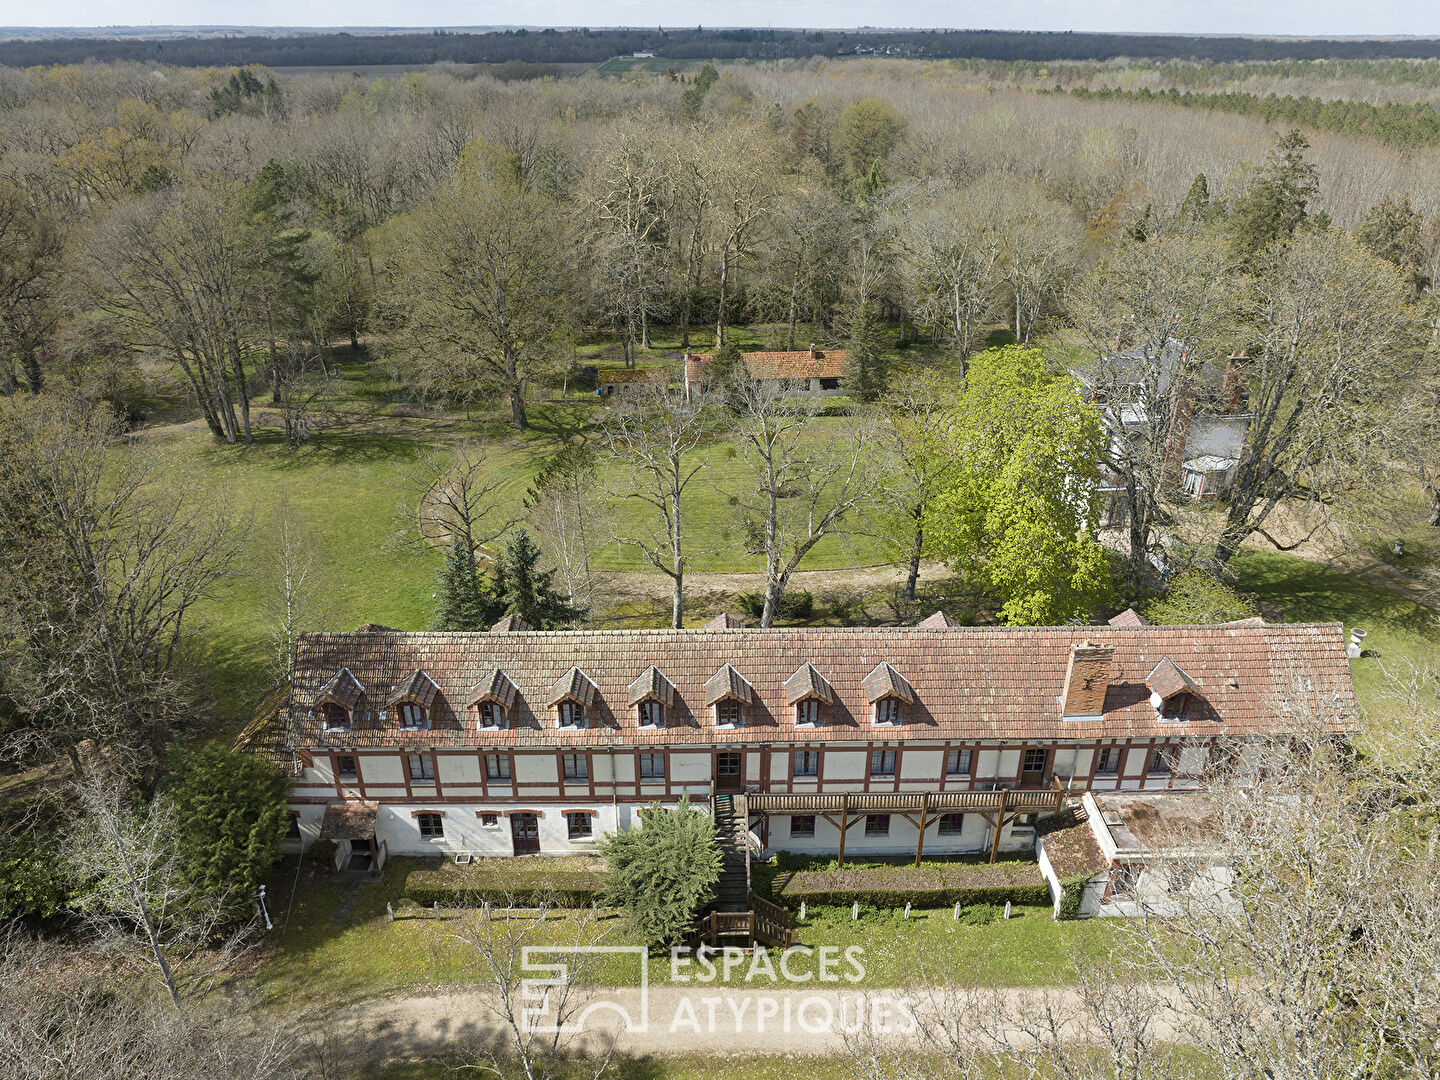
920, 808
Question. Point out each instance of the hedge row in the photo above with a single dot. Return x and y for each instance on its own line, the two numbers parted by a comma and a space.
470, 886
894, 887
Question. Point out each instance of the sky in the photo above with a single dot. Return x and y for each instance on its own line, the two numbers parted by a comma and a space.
1285, 17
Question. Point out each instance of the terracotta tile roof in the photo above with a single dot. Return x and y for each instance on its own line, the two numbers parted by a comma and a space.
936, 621
800, 364
419, 688
1129, 617
728, 683
652, 684
510, 624
343, 689
620, 376
969, 683
724, 621
574, 685
885, 681
494, 686
806, 682
1167, 680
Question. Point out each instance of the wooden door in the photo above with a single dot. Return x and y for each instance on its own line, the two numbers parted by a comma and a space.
729, 772
525, 832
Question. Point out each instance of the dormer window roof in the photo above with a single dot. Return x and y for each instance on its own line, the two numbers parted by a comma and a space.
417, 687
652, 685
493, 686
510, 624
343, 689
885, 682
807, 684
574, 686
1166, 679
728, 683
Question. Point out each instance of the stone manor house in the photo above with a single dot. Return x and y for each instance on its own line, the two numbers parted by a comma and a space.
884, 740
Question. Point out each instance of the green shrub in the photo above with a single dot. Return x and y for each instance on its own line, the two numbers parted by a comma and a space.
837, 406
1072, 891
981, 914
663, 873
796, 604
502, 881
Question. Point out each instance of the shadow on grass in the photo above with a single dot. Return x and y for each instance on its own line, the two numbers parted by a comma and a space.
1303, 591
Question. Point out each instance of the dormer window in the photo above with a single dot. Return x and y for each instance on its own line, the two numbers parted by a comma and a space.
339, 700
889, 693
411, 699
1172, 692
1176, 709
805, 691
491, 696
728, 693
571, 696
651, 695
412, 717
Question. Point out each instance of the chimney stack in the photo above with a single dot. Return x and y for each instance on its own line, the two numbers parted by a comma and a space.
1182, 412
814, 352
1087, 677
1232, 387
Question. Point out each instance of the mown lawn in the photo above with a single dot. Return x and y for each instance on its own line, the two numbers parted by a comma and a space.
312, 958
1400, 630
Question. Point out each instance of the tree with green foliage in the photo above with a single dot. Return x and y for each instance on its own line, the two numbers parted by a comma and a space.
867, 369
1021, 514
231, 816
663, 873
522, 589
869, 130
1277, 201
725, 371
1394, 230
1196, 208
1195, 598
463, 601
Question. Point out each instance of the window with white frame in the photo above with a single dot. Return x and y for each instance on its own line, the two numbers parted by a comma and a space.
492, 714
729, 713
804, 762
887, 711
882, 762
422, 767
652, 766
957, 762
412, 717
575, 766
807, 713
652, 714
572, 714
578, 825
497, 767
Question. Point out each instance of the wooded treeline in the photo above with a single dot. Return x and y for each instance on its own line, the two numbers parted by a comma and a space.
586, 45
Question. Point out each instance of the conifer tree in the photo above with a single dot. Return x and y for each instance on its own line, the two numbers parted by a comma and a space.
866, 369
523, 590
1277, 202
463, 602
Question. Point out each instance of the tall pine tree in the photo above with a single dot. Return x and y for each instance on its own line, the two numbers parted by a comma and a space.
463, 601
866, 371
524, 590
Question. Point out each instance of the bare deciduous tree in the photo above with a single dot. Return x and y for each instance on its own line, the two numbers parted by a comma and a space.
458, 493
655, 434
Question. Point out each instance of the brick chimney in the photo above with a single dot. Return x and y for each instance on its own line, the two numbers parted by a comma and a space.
1182, 412
1087, 677
814, 352
1232, 387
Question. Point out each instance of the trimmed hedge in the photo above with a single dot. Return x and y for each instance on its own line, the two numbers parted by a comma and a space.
502, 881
925, 886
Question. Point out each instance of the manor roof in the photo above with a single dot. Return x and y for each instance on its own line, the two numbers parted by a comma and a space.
965, 683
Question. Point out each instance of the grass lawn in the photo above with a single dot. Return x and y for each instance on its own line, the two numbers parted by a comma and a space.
679, 1067
312, 958
1302, 591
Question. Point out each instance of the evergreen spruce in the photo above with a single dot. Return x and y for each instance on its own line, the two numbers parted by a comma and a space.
867, 371
462, 602
1277, 202
523, 590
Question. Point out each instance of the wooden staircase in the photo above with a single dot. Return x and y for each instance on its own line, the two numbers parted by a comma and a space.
732, 830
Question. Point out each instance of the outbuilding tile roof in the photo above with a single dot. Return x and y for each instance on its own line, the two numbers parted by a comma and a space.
799, 364
968, 683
